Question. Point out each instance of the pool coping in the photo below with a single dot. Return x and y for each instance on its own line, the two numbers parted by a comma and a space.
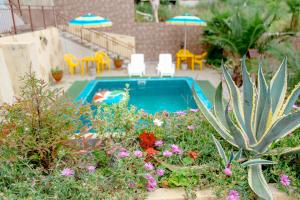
190, 81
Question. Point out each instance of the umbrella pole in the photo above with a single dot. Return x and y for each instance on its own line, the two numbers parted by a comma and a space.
184, 39
81, 34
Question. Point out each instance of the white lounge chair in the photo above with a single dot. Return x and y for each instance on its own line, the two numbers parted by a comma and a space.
165, 66
137, 66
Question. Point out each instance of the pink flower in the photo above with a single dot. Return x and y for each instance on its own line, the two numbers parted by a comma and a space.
67, 172
191, 127
160, 172
232, 195
227, 171
176, 149
158, 143
149, 166
138, 154
167, 153
295, 107
123, 154
151, 185
91, 169
180, 113
131, 184
194, 110
149, 177
284, 180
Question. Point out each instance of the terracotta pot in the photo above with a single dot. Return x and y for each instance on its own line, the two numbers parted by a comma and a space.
118, 63
57, 75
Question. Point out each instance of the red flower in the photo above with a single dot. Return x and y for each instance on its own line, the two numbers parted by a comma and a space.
193, 154
147, 140
151, 151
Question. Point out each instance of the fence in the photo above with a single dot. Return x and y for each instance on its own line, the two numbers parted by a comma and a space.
104, 40
16, 18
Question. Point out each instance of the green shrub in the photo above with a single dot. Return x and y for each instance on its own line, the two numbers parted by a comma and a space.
37, 124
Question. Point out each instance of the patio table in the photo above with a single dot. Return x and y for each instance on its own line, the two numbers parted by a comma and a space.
184, 54
85, 60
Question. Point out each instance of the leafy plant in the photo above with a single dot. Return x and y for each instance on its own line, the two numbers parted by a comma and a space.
261, 118
183, 178
38, 123
294, 6
56, 70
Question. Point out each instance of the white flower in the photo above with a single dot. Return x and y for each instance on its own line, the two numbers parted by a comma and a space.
157, 122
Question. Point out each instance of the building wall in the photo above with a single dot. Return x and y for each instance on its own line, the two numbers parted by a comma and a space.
150, 38
39, 51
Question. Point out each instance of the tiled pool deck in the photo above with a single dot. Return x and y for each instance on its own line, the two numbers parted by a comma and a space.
211, 75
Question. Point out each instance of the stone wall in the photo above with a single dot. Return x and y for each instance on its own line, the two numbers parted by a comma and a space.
151, 38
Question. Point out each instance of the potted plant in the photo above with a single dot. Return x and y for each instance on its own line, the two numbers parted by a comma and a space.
118, 62
57, 74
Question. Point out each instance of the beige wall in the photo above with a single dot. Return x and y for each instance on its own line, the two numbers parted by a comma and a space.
40, 50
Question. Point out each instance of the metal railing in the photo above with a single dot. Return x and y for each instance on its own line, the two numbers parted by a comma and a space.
103, 40
16, 18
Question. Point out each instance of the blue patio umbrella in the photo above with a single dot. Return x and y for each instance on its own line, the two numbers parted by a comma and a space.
186, 20
89, 21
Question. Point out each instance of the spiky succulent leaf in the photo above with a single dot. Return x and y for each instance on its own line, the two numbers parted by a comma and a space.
278, 88
282, 127
221, 151
261, 101
239, 137
213, 120
231, 157
291, 100
238, 155
235, 97
219, 106
266, 116
258, 182
284, 151
257, 162
248, 102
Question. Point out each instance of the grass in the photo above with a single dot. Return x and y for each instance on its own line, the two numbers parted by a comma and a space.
75, 89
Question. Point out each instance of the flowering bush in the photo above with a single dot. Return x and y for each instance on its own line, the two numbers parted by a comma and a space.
134, 153
147, 140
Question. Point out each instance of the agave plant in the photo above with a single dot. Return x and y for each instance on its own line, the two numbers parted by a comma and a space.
261, 116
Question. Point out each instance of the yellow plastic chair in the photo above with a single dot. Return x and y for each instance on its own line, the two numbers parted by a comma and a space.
72, 62
198, 59
105, 60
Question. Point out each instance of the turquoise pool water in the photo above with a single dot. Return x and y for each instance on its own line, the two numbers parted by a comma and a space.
150, 94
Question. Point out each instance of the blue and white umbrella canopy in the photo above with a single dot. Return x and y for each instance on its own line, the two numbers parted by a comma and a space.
90, 21
186, 20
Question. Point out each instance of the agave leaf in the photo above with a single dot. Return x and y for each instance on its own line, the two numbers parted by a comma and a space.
221, 151
219, 107
284, 151
249, 102
266, 117
213, 121
258, 182
257, 162
262, 93
238, 155
287, 108
231, 157
235, 96
278, 87
239, 137
279, 129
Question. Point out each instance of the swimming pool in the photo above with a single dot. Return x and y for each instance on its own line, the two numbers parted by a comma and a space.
150, 94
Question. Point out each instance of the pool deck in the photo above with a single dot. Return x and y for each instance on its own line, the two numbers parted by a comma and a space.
208, 74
